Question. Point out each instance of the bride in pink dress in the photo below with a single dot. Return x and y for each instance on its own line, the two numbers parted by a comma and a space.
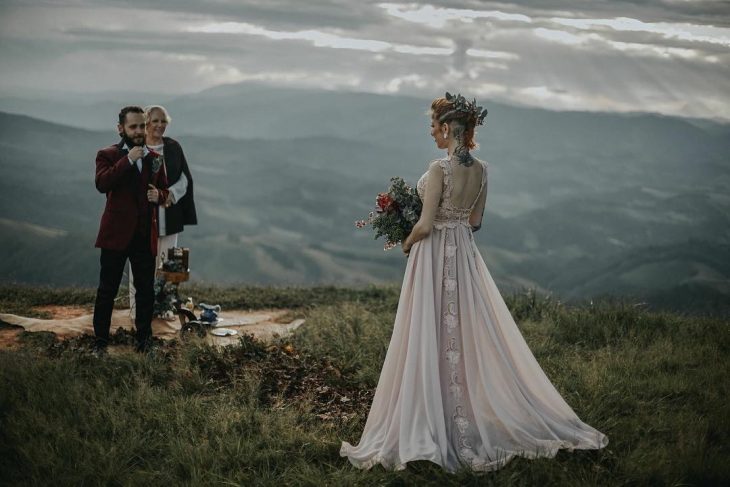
459, 385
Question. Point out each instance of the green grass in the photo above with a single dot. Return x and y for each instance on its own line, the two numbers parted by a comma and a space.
22, 298
255, 414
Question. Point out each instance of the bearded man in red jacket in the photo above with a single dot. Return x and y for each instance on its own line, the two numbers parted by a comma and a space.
134, 182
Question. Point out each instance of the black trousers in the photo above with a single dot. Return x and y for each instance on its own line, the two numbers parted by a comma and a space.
112, 268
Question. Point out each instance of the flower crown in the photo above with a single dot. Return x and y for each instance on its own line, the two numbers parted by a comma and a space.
463, 107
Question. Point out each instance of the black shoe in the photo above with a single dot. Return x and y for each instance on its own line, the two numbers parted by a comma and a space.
99, 351
145, 346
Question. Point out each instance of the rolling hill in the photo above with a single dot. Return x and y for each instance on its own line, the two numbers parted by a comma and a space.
580, 204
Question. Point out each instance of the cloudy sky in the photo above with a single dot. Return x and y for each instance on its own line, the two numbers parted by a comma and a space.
666, 56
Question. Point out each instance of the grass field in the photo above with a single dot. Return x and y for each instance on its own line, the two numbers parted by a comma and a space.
275, 414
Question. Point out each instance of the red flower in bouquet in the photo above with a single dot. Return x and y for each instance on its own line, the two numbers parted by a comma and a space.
385, 203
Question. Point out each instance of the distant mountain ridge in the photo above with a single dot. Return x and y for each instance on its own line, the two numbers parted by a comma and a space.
579, 204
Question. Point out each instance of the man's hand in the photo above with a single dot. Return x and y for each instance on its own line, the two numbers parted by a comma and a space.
135, 153
153, 195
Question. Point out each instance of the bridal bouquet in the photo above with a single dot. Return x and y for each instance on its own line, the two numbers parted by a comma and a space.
396, 212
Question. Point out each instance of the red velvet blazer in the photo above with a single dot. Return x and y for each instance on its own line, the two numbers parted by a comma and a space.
126, 191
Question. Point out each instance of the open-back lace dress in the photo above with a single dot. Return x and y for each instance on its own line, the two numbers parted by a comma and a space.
459, 385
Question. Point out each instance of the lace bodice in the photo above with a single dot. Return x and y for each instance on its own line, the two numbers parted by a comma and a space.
447, 214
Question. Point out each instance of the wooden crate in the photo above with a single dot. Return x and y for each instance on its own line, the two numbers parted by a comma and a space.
174, 277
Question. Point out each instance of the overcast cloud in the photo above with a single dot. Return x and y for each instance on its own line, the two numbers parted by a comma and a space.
669, 56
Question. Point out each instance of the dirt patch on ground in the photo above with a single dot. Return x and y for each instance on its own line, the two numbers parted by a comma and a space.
73, 321
9, 338
63, 312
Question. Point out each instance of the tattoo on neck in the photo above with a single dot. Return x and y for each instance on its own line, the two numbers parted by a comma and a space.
461, 152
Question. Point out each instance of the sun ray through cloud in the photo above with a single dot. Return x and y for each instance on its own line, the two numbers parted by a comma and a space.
516, 53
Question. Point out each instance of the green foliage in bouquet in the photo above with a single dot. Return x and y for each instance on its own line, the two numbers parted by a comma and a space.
396, 213
165, 298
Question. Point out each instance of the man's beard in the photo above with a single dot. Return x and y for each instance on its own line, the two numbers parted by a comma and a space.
131, 143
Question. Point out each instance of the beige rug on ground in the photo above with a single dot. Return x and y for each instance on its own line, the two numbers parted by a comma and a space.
263, 325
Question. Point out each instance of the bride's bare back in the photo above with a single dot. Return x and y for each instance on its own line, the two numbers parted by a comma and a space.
462, 194
466, 182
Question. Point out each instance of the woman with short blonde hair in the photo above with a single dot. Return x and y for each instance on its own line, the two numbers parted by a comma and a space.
179, 209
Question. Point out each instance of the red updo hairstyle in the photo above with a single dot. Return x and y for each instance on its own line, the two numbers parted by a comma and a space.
441, 106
